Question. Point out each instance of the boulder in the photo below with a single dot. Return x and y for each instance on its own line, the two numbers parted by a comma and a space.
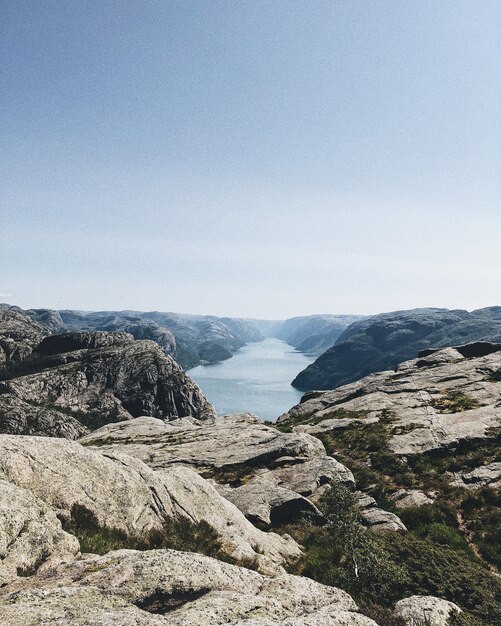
264, 504
376, 518
485, 475
308, 476
121, 493
425, 610
407, 498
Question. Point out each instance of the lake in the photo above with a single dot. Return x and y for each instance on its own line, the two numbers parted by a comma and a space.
256, 379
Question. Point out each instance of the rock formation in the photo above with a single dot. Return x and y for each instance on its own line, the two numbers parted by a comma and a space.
382, 342
434, 402
78, 381
168, 588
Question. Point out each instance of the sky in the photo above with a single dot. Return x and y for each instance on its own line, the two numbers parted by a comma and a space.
250, 158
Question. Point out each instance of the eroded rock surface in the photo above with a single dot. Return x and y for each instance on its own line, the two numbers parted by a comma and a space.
485, 475
121, 493
407, 498
164, 587
436, 402
265, 504
31, 536
239, 442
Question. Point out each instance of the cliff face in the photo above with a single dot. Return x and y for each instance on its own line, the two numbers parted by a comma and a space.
381, 342
77, 381
19, 334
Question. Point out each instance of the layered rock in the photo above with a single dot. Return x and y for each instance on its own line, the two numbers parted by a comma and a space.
381, 342
79, 381
267, 474
434, 402
238, 443
164, 587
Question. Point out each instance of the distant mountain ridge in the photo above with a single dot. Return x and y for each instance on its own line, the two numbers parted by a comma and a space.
383, 341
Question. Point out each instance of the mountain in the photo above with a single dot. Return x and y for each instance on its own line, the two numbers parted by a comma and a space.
381, 342
189, 339
314, 334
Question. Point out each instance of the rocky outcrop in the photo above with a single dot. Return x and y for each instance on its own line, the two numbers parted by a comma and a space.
376, 518
265, 504
434, 403
236, 444
409, 498
381, 342
19, 334
426, 610
483, 476
267, 474
164, 587
79, 381
120, 493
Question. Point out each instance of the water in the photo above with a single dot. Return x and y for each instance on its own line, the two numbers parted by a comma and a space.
256, 379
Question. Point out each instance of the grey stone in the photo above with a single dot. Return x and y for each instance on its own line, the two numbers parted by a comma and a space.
225, 443
122, 493
376, 518
265, 504
486, 475
406, 498
409, 395
95, 378
184, 589
425, 610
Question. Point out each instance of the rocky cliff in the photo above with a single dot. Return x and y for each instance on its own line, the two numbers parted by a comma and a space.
78, 381
381, 342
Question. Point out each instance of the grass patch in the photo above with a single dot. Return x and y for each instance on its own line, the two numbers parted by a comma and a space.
176, 535
454, 401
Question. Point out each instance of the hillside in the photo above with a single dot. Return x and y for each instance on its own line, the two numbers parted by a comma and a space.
381, 342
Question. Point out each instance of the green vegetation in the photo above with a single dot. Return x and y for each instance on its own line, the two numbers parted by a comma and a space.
454, 401
175, 534
378, 568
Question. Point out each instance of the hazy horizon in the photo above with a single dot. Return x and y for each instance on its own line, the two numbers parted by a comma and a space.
251, 159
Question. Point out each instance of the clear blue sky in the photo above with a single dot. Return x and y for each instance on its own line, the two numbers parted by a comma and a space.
250, 158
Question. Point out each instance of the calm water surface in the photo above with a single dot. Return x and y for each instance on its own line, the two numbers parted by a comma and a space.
256, 379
